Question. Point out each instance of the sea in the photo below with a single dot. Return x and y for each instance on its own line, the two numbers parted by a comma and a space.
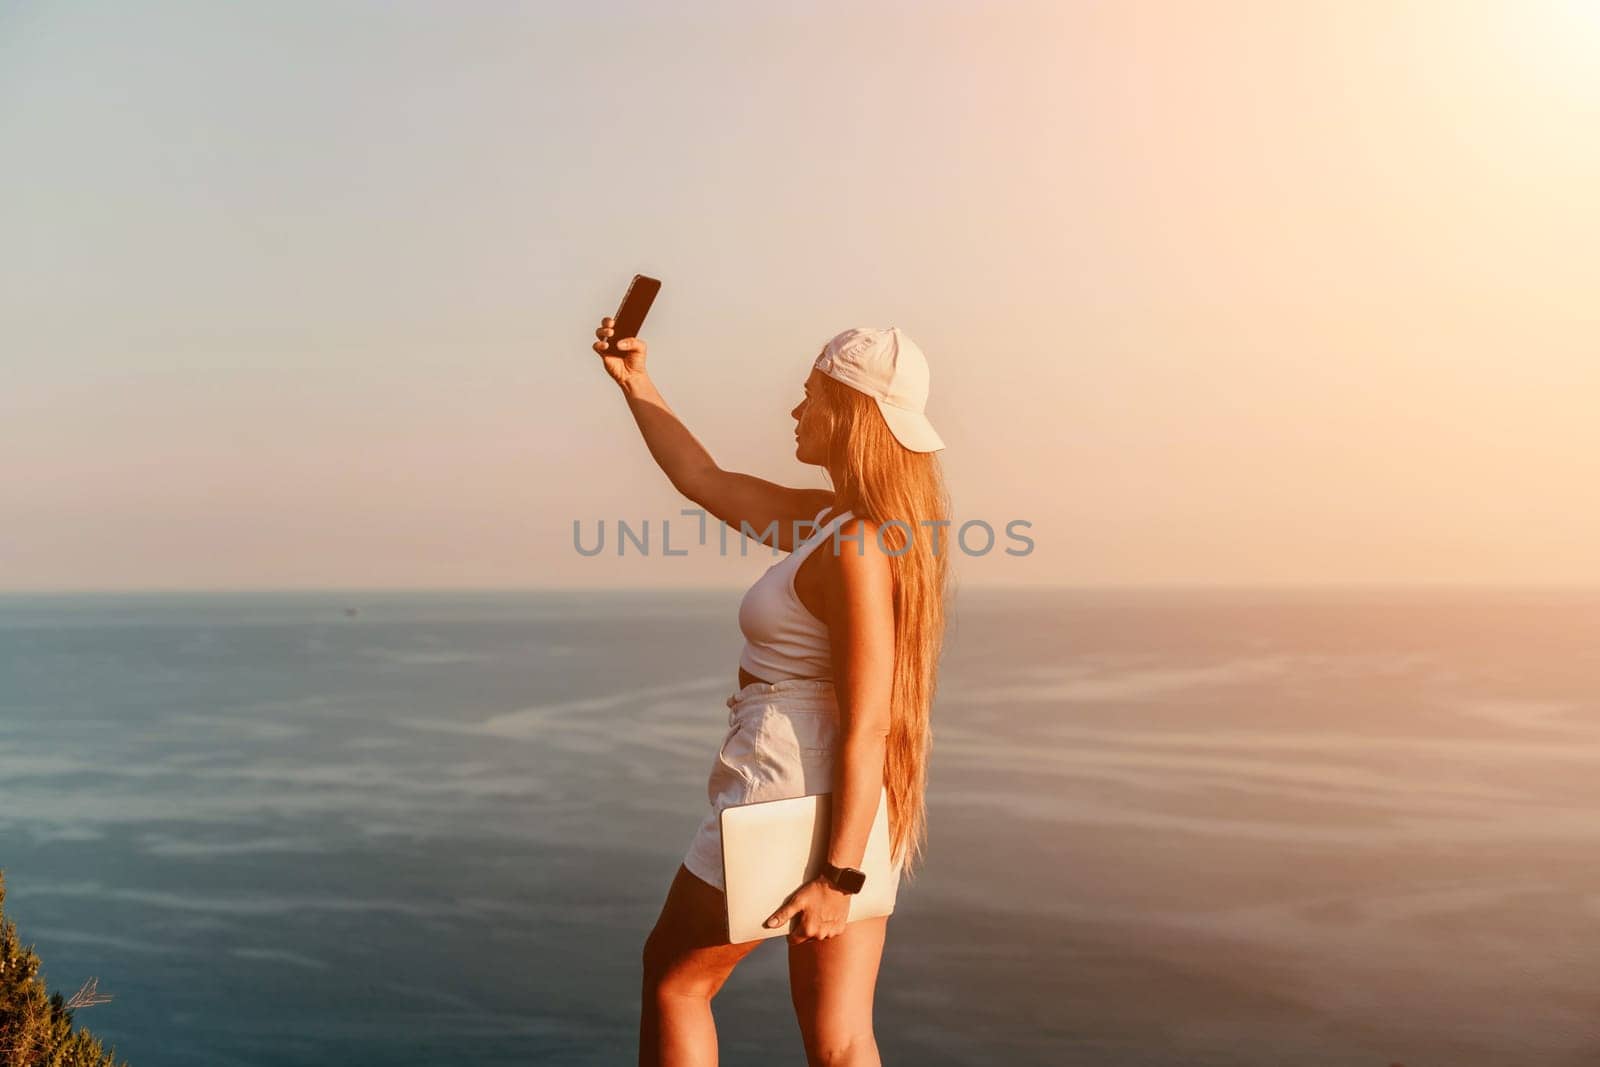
1271, 827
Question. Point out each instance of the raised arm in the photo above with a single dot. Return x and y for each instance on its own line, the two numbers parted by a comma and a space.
730, 496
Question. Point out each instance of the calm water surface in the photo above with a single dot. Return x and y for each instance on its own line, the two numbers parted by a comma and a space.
1167, 828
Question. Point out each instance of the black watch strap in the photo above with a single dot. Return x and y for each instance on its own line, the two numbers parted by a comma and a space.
844, 879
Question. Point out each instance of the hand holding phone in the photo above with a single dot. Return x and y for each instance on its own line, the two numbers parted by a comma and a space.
620, 346
635, 305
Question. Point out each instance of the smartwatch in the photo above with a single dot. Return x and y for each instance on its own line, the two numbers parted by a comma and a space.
844, 879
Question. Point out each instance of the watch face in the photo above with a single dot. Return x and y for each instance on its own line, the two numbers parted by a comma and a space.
851, 880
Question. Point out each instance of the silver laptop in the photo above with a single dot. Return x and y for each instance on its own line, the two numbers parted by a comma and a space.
772, 847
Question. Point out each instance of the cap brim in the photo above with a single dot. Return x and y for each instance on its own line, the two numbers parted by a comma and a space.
910, 428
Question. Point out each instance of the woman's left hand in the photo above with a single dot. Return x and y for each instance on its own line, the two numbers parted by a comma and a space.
823, 912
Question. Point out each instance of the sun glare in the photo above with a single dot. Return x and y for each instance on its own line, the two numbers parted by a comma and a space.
1559, 45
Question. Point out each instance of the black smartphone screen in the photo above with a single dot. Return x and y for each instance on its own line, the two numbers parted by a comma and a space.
635, 305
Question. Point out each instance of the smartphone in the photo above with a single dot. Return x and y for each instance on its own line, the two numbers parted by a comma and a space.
631, 312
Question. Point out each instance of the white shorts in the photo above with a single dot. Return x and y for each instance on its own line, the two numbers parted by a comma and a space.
781, 741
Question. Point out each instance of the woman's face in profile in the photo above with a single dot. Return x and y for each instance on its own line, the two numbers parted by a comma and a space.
809, 443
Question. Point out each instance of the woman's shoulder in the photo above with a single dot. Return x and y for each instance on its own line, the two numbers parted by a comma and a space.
858, 554
854, 575
857, 527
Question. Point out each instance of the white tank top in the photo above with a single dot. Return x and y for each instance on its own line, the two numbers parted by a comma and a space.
782, 639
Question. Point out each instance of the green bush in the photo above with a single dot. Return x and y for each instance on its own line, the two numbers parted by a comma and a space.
36, 1026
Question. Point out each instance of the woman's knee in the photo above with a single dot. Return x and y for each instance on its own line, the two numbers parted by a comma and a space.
673, 969
830, 1046
687, 951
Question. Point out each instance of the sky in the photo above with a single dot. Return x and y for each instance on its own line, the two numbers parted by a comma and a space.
301, 295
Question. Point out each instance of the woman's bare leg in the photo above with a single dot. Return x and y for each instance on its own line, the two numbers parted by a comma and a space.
831, 983
686, 960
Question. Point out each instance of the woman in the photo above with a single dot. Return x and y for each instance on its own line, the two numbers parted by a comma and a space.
835, 681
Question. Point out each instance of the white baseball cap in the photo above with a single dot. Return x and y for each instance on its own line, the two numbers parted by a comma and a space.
889, 367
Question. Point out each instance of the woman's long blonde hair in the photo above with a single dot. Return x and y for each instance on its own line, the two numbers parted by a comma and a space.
878, 478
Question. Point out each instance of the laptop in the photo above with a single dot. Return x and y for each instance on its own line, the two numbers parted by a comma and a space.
770, 848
